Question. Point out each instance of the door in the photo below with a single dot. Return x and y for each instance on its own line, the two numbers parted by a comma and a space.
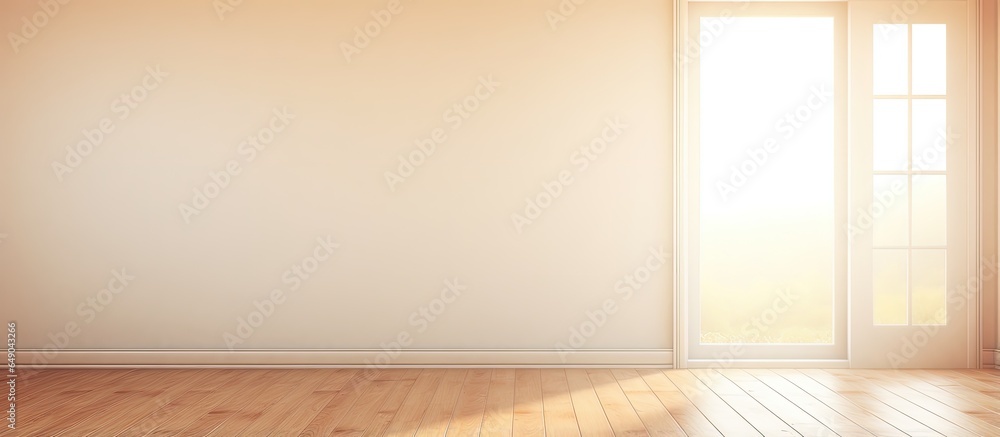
911, 265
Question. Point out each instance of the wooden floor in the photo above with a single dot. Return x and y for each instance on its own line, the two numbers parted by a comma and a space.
498, 402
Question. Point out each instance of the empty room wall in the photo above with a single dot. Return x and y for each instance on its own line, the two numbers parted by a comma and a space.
447, 176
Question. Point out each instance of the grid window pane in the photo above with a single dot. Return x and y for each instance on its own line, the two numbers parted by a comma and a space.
890, 211
930, 141
890, 131
930, 64
929, 299
889, 288
930, 210
891, 59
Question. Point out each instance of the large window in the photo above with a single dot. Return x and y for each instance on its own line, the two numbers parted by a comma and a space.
767, 172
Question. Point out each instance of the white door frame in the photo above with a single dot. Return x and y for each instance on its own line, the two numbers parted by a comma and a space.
681, 199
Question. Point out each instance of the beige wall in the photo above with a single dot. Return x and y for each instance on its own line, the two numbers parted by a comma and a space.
324, 174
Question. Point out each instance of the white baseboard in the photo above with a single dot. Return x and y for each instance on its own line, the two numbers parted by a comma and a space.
35, 358
768, 364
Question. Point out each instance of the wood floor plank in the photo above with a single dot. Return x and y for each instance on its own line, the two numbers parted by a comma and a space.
45, 385
45, 390
589, 412
288, 404
795, 417
337, 379
654, 415
283, 389
201, 397
166, 389
984, 395
38, 389
412, 374
365, 408
296, 421
83, 407
901, 398
345, 388
499, 417
943, 378
830, 417
146, 395
238, 399
617, 408
870, 420
687, 415
39, 378
66, 394
792, 414
468, 418
411, 412
439, 412
724, 417
33, 384
392, 404
528, 419
396, 374
985, 379
178, 412
762, 419
42, 381
977, 405
961, 411
995, 373
557, 404
965, 383
141, 391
